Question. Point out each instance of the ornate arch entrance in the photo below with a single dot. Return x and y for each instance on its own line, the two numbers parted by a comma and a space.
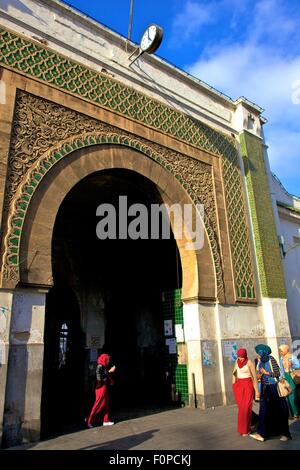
36, 252
36, 192
35, 244
122, 290
163, 169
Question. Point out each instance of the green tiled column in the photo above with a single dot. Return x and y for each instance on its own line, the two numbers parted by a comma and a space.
173, 310
182, 383
266, 242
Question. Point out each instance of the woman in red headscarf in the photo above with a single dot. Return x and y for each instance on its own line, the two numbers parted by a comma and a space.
244, 384
104, 381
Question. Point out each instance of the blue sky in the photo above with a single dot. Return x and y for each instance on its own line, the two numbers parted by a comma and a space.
242, 47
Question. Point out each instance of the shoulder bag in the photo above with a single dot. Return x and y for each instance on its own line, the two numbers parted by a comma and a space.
283, 387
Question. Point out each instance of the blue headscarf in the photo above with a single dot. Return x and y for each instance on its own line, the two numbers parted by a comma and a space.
264, 351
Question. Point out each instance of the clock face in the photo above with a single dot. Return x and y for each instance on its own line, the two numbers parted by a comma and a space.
151, 38
148, 37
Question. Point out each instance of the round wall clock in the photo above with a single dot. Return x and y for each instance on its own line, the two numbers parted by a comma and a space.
151, 38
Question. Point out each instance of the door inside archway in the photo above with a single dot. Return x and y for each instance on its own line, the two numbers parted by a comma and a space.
108, 296
63, 373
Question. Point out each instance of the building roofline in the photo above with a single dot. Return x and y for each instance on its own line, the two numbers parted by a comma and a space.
64, 5
283, 188
288, 207
249, 104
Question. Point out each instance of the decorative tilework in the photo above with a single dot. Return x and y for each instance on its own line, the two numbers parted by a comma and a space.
238, 229
182, 383
266, 242
173, 306
44, 132
46, 65
173, 310
33, 60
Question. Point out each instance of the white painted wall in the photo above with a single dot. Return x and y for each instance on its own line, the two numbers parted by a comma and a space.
6, 299
289, 222
76, 36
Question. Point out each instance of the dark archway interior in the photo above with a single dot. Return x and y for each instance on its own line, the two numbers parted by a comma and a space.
118, 284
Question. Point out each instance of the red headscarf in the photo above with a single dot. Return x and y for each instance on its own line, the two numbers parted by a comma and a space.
242, 353
103, 360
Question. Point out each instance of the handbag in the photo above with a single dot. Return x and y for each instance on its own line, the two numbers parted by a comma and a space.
295, 374
284, 389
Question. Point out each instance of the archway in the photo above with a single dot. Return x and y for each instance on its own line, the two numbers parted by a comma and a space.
198, 269
37, 248
119, 288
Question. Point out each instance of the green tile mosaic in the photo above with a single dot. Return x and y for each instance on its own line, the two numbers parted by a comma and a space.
173, 310
266, 243
182, 382
35, 61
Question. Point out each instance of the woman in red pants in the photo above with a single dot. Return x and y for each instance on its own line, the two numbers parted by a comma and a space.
100, 408
244, 386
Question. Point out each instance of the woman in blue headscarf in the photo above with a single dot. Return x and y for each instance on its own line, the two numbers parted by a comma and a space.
273, 410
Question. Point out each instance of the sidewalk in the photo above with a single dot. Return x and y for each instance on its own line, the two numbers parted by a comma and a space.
176, 429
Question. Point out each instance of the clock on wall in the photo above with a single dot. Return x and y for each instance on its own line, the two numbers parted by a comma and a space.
150, 41
151, 38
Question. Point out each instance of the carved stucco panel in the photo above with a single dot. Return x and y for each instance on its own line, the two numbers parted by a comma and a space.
43, 130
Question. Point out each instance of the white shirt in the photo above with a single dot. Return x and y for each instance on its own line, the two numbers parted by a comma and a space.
243, 372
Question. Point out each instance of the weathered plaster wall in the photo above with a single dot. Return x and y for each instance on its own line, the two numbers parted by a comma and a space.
288, 214
25, 368
6, 298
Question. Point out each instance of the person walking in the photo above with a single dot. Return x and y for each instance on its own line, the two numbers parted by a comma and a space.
100, 409
273, 410
245, 386
288, 364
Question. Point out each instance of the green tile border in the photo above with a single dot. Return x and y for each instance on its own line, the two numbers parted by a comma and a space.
270, 267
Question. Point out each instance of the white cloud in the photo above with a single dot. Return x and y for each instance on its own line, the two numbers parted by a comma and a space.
256, 72
196, 14
272, 19
263, 67
190, 20
284, 146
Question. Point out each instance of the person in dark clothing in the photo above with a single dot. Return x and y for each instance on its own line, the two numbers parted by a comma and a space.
273, 410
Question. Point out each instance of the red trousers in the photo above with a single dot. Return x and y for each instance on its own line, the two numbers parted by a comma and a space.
100, 407
244, 393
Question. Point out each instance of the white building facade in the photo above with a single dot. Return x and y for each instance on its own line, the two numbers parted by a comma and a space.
288, 213
80, 124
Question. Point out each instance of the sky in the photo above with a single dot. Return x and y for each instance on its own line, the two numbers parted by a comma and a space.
245, 48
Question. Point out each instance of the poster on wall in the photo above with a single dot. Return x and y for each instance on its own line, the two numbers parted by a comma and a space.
3, 319
2, 353
94, 342
207, 350
230, 350
168, 328
93, 355
179, 333
171, 343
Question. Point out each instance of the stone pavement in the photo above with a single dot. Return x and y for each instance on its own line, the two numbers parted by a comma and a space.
173, 429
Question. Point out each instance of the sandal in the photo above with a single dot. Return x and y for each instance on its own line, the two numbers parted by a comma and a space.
257, 437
